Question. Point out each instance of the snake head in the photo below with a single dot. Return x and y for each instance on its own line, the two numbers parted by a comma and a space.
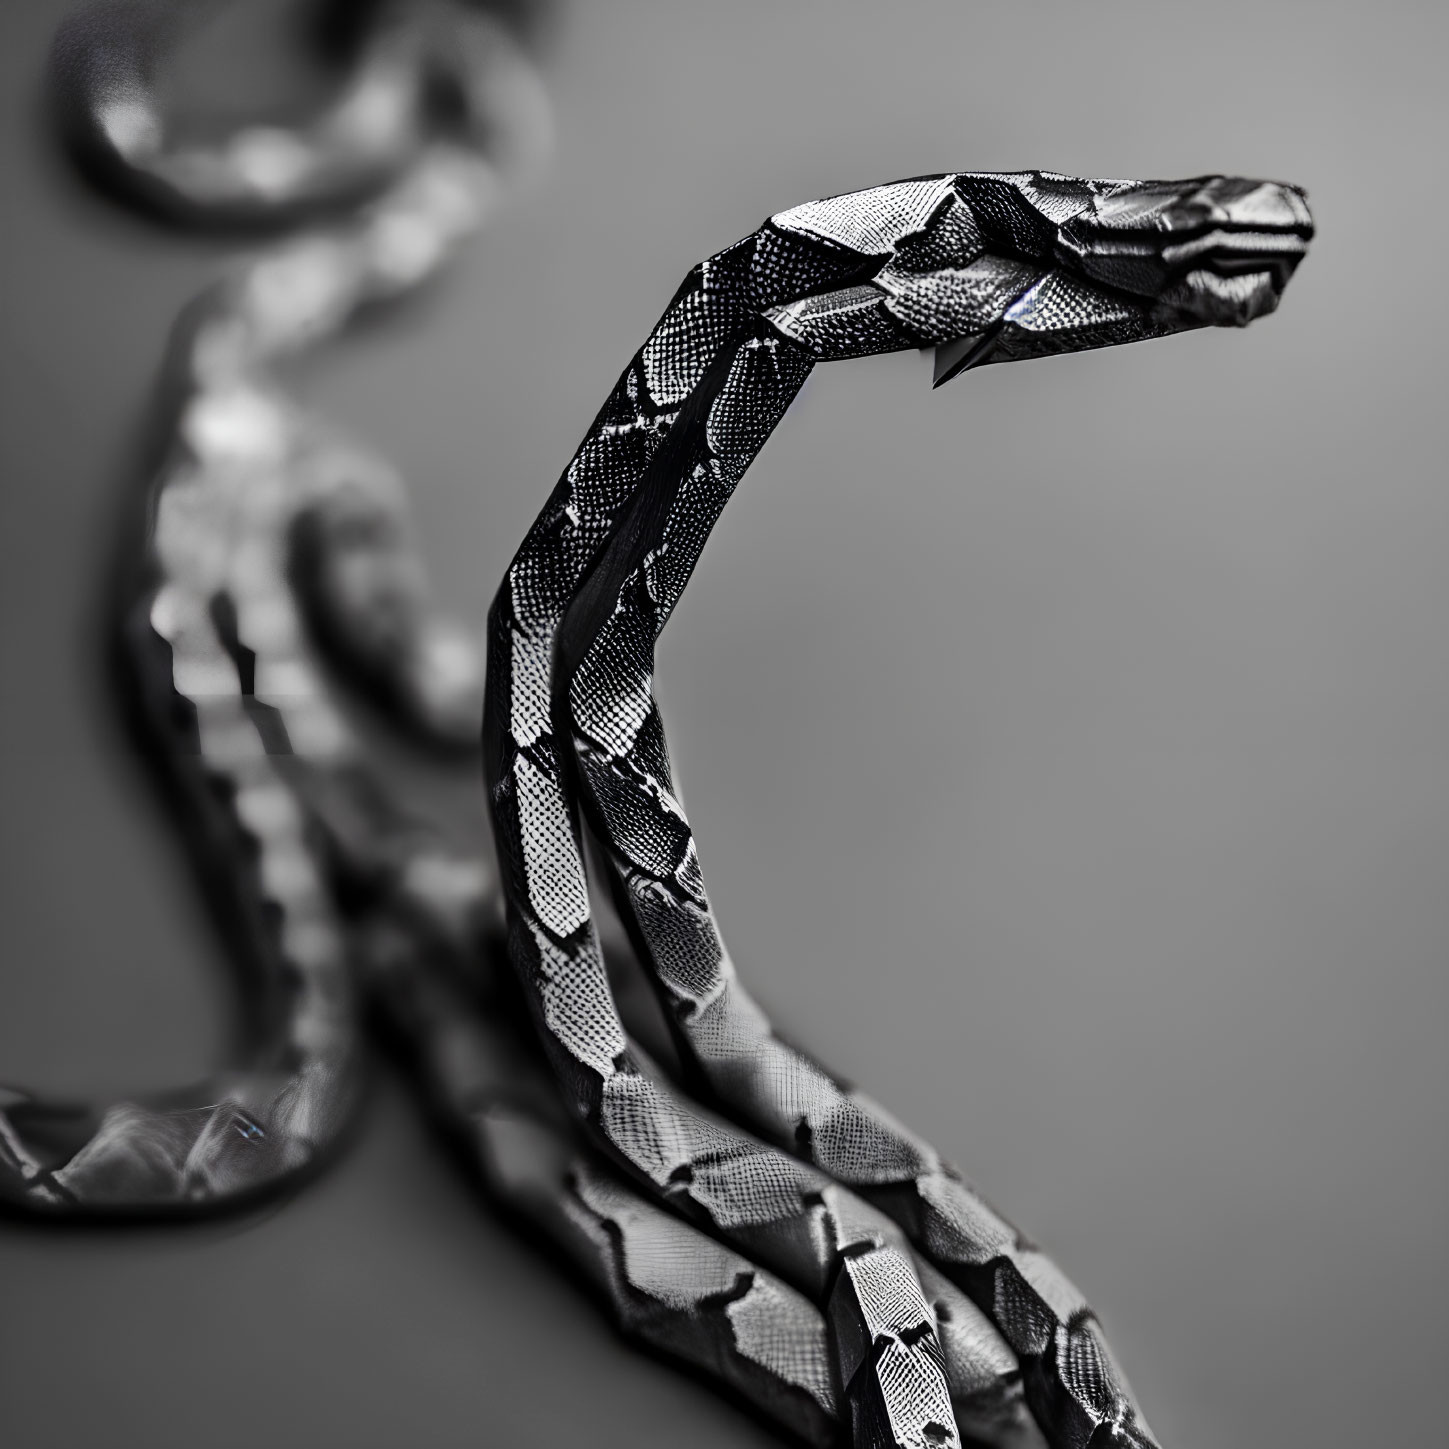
1119, 261
1217, 251
996, 266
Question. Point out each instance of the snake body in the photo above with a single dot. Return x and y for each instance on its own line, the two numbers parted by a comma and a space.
252, 496
986, 268
759, 1220
270, 544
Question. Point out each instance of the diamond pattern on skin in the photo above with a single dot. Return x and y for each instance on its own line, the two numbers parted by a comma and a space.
702, 397
870, 222
974, 254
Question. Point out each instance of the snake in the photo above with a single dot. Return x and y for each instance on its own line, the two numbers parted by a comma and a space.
748, 1212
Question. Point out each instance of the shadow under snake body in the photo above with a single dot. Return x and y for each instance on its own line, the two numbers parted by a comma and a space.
771, 1226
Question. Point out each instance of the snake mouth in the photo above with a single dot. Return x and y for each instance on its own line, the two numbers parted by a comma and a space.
1233, 253
1211, 274
1147, 266
1226, 278
1216, 252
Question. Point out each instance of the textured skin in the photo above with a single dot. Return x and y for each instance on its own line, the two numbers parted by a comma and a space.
249, 492
780, 1233
270, 538
986, 268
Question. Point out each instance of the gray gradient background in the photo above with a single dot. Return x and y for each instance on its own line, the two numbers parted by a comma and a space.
1069, 748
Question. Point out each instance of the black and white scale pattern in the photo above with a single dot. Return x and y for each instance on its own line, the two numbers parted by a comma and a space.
829, 1268
815, 1179
268, 540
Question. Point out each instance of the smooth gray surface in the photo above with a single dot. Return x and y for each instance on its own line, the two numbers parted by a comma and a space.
1087, 801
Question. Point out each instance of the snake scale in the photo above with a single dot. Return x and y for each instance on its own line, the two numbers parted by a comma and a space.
756, 1217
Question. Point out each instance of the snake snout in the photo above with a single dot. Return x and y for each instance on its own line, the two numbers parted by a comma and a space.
1179, 208
1215, 251
1233, 201
1233, 245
